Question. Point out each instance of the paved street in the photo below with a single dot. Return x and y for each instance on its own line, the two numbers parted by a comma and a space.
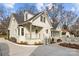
12, 49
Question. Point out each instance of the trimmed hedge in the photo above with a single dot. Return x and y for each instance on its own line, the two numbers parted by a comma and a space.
23, 43
38, 43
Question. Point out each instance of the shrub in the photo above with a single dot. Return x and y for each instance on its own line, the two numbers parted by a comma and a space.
59, 40
63, 33
13, 39
23, 43
71, 33
35, 43
6, 38
38, 43
4, 33
52, 41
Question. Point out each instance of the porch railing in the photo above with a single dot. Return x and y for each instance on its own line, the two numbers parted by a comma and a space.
33, 36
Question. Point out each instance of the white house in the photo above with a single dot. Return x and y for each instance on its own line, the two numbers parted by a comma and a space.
30, 28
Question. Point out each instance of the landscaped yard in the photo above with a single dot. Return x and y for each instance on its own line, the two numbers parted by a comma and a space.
12, 49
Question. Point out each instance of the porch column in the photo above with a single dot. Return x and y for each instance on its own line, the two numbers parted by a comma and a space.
20, 31
30, 31
60, 33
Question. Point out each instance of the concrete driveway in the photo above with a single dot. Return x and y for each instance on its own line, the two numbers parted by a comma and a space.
8, 48
54, 50
12, 49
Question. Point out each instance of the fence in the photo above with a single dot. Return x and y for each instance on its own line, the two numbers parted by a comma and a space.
70, 39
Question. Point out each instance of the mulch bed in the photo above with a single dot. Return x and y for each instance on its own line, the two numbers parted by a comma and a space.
69, 45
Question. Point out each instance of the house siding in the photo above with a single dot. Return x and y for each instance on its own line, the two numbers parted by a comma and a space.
45, 26
13, 28
27, 16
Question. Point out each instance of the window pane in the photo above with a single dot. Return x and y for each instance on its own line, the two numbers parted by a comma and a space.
41, 18
22, 31
47, 31
36, 31
44, 19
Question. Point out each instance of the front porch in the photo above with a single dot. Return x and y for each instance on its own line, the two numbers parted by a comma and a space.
33, 34
33, 40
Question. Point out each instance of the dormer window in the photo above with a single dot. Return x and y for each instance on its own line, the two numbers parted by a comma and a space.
42, 19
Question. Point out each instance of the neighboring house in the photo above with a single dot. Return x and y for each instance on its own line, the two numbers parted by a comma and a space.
55, 33
58, 32
29, 27
65, 32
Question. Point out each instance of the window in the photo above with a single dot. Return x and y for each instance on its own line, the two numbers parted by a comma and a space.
47, 31
18, 31
36, 31
51, 33
22, 31
42, 19
63, 33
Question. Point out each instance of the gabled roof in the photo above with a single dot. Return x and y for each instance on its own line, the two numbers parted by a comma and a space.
33, 18
36, 16
30, 12
55, 25
19, 18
